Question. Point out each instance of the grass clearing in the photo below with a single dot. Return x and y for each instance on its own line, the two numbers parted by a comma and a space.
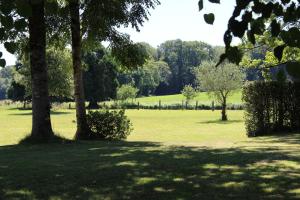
202, 98
170, 155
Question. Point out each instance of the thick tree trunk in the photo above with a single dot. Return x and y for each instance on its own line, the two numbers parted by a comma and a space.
41, 123
224, 107
93, 105
83, 131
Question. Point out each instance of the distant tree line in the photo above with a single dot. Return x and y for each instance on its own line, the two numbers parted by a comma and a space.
168, 69
171, 67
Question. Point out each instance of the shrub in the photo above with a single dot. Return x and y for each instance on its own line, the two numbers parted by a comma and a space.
272, 107
189, 93
126, 92
110, 125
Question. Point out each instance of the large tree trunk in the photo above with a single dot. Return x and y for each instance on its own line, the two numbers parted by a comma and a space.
83, 131
41, 123
93, 104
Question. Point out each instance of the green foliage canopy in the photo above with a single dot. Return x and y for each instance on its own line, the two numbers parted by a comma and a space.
255, 17
182, 57
189, 93
100, 76
126, 92
220, 82
59, 73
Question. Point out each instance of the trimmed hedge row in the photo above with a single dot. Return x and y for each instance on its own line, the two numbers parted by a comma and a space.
271, 107
169, 107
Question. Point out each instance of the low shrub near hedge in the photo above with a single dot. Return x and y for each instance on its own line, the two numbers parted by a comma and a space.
109, 125
271, 107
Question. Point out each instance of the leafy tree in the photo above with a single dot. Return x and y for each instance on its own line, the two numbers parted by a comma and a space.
262, 57
6, 75
151, 75
16, 92
126, 92
18, 20
148, 77
255, 17
183, 57
220, 82
98, 23
59, 73
151, 51
189, 93
100, 77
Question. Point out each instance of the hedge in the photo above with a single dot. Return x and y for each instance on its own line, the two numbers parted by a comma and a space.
271, 107
168, 107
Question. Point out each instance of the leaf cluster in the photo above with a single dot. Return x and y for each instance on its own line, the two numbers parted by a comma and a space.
255, 17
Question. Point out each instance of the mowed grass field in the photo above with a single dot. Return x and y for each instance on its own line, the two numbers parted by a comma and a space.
202, 98
170, 155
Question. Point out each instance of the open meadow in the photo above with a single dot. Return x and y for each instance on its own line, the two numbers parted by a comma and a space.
192, 100
170, 155
202, 98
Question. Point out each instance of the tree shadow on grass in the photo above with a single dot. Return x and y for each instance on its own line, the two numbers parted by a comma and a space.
286, 138
145, 170
221, 122
52, 113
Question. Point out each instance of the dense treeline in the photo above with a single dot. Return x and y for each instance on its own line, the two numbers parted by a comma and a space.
167, 70
170, 67
182, 57
99, 76
5, 80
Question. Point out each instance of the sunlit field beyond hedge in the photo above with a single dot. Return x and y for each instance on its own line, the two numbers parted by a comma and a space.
202, 98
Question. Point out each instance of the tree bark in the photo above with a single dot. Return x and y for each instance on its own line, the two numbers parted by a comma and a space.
83, 131
41, 122
93, 105
224, 107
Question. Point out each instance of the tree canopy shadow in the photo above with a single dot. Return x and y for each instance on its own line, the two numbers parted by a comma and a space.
287, 138
145, 170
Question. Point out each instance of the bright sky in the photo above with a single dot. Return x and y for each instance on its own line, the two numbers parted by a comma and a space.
177, 19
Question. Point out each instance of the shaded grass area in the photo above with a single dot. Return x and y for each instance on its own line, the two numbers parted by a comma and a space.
221, 122
146, 170
54, 139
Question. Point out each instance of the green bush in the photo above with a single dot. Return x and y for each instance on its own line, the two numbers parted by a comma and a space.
110, 125
189, 93
126, 92
272, 107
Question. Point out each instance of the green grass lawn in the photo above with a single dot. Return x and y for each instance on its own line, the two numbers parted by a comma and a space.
202, 98
170, 155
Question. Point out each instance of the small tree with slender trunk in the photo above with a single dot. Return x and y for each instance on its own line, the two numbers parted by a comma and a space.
189, 93
126, 92
91, 20
83, 131
220, 82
